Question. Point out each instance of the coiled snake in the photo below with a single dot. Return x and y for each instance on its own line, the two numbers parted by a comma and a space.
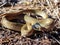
30, 24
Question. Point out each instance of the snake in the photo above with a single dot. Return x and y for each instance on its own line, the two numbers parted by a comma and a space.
26, 29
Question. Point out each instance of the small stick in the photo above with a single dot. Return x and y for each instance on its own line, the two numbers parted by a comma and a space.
3, 4
54, 38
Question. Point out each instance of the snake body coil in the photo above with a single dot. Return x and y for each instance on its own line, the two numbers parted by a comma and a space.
26, 29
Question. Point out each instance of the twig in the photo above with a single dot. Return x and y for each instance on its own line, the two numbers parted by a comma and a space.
3, 4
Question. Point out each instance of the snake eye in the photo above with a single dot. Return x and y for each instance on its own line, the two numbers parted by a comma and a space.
36, 26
